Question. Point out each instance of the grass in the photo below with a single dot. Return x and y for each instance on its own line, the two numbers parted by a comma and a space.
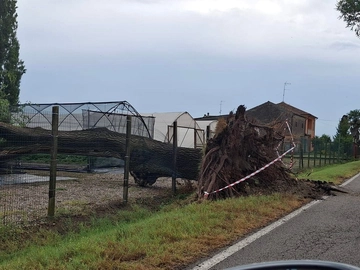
336, 173
73, 207
138, 239
61, 158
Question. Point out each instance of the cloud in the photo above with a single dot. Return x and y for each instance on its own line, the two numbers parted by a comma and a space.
344, 45
231, 28
195, 52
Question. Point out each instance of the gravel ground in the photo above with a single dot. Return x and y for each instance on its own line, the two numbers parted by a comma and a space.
88, 193
80, 196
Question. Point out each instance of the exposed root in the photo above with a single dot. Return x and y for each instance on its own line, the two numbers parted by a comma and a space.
239, 149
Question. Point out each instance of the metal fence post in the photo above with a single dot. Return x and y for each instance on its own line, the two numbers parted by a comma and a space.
53, 162
127, 160
173, 183
301, 163
325, 154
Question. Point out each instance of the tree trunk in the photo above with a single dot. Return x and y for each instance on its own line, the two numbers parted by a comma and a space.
149, 159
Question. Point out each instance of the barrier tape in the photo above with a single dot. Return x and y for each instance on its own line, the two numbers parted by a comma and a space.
250, 175
294, 145
206, 194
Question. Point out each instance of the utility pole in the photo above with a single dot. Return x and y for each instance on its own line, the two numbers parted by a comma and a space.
286, 83
220, 106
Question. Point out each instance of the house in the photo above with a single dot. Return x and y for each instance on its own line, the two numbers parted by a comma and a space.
302, 124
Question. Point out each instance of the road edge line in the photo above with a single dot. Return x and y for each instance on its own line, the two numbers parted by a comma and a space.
349, 180
205, 265
246, 241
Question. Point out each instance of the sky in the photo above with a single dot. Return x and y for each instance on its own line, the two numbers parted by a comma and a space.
199, 56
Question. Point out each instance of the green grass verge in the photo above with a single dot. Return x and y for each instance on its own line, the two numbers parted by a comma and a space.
137, 239
335, 173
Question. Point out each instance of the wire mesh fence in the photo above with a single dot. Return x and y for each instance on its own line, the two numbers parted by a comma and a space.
22, 195
322, 154
25, 171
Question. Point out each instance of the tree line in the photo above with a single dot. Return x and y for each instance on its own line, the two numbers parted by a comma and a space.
346, 138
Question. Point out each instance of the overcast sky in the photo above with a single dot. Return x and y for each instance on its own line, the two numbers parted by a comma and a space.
199, 56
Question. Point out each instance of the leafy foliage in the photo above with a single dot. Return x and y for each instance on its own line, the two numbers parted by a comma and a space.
350, 13
343, 139
354, 122
4, 110
324, 138
320, 143
349, 127
11, 67
343, 128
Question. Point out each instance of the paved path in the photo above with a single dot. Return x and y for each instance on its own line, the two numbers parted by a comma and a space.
328, 230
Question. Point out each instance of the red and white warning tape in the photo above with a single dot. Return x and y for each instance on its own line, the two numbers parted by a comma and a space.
206, 194
252, 174
294, 145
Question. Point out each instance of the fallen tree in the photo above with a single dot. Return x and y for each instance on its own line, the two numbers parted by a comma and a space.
239, 149
149, 159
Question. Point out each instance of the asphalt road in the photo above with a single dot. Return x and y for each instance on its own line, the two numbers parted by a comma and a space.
328, 230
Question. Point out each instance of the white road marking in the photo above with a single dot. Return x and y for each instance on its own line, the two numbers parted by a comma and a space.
349, 181
243, 243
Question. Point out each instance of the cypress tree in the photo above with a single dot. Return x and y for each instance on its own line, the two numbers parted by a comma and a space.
11, 67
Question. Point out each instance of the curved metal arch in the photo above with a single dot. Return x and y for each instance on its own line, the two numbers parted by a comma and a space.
196, 127
141, 119
70, 112
186, 113
127, 107
107, 112
38, 111
136, 114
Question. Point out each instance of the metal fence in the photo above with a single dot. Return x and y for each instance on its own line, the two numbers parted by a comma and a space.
323, 154
24, 177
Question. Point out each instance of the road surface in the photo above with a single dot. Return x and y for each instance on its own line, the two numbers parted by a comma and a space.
327, 230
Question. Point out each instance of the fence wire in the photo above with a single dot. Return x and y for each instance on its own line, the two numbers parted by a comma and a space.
24, 178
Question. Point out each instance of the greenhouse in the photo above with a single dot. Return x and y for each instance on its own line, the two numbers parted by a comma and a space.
113, 116
189, 133
209, 126
80, 116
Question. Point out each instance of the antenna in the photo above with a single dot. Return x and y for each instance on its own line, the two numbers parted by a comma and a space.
285, 84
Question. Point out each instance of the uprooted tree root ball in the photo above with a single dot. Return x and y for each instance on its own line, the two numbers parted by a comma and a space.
241, 148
